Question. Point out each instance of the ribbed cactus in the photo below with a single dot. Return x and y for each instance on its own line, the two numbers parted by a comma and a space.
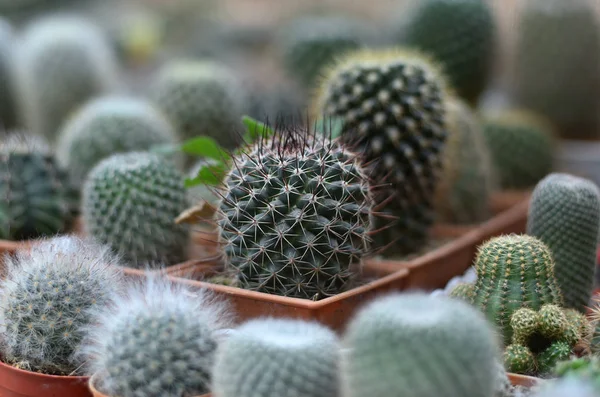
468, 178
397, 342
393, 107
158, 341
295, 216
110, 125
461, 34
513, 271
564, 213
130, 202
556, 63
200, 98
8, 106
45, 302
278, 358
61, 63
35, 193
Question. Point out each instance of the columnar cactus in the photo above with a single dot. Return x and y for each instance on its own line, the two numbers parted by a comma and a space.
468, 178
35, 198
564, 213
513, 271
108, 125
461, 34
278, 358
8, 109
556, 63
393, 108
200, 98
61, 63
522, 147
46, 299
295, 216
158, 341
446, 337
130, 202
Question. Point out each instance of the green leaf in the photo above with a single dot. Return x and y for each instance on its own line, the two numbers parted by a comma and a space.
209, 174
331, 127
255, 128
205, 147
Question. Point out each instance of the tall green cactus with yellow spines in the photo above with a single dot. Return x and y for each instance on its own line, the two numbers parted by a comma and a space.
514, 271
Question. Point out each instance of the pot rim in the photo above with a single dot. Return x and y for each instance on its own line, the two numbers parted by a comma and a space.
24, 372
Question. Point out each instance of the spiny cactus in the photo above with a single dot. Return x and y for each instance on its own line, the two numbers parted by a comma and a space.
513, 271
463, 291
46, 298
108, 125
130, 202
522, 147
295, 216
35, 192
461, 35
584, 368
393, 107
444, 336
519, 359
503, 384
61, 62
159, 340
564, 213
200, 98
468, 178
8, 109
278, 358
556, 63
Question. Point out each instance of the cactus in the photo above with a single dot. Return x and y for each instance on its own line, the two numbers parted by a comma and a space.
460, 34
35, 191
295, 216
200, 98
503, 384
8, 108
110, 125
584, 368
468, 177
557, 58
463, 291
278, 357
386, 339
392, 104
130, 202
46, 298
522, 147
61, 63
556, 352
564, 213
513, 271
519, 359
159, 341
310, 44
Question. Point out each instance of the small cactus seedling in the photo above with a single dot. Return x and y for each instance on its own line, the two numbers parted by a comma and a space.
35, 193
276, 358
108, 125
513, 271
159, 340
130, 202
46, 298
398, 341
564, 213
392, 104
61, 63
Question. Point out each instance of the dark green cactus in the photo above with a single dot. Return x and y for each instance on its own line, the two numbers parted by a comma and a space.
564, 213
392, 104
513, 271
461, 35
522, 147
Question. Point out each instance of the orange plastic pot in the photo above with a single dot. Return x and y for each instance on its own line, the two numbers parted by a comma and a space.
19, 383
92, 387
523, 380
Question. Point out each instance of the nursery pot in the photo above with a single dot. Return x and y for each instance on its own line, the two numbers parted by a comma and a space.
19, 383
523, 380
93, 383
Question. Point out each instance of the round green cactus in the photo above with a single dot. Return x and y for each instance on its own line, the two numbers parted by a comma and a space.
444, 336
295, 216
46, 299
130, 202
392, 104
278, 357
555, 353
519, 359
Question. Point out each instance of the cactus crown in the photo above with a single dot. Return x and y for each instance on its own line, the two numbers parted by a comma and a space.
45, 301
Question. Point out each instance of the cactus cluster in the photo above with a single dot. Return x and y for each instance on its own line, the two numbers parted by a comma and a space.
295, 216
130, 202
46, 299
392, 104
564, 213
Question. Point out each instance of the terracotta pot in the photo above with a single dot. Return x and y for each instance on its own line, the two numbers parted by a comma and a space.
504, 200
523, 380
93, 380
18, 383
